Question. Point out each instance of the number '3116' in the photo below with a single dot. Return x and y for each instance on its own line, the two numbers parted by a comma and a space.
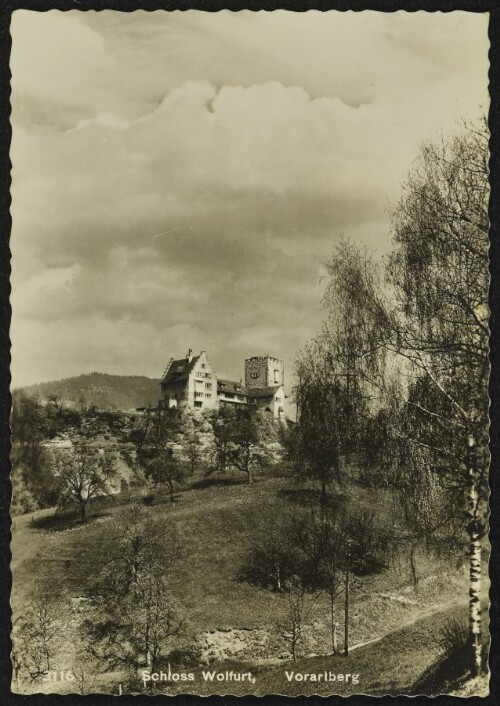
58, 675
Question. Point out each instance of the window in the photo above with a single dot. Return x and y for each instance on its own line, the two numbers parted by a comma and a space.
222, 387
198, 404
199, 374
278, 399
229, 396
208, 394
203, 365
276, 376
198, 394
254, 376
208, 385
207, 375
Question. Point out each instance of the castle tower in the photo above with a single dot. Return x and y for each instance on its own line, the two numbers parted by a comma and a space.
264, 371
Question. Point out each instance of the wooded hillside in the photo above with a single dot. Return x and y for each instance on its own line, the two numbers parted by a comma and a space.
100, 390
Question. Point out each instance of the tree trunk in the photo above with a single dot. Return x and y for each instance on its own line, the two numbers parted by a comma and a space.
171, 491
333, 624
323, 498
47, 658
83, 513
474, 533
278, 578
346, 607
250, 477
413, 568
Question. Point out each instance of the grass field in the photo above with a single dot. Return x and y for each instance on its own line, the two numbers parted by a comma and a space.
230, 619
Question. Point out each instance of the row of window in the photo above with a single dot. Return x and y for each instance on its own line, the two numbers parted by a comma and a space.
208, 385
228, 395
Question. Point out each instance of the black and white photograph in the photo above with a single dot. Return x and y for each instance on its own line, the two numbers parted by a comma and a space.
250, 352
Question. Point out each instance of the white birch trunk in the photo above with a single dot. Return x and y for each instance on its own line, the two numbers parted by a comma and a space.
474, 562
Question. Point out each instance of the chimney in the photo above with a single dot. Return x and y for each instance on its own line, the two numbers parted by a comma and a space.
190, 355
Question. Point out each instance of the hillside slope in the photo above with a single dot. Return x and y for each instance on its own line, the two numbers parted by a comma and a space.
227, 618
100, 390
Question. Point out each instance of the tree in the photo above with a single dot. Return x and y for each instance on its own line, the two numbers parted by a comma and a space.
165, 468
247, 451
134, 616
193, 448
426, 506
334, 542
434, 319
318, 444
136, 541
274, 556
332, 568
439, 272
32, 480
35, 637
135, 628
336, 375
82, 474
155, 452
222, 426
299, 605
315, 546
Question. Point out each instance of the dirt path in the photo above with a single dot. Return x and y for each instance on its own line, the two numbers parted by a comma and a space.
422, 615
416, 618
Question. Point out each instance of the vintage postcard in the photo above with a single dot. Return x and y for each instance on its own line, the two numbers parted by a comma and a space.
250, 339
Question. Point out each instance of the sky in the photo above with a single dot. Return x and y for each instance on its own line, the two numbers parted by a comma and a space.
179, 178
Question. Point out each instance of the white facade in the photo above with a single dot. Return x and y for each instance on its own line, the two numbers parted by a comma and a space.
192, 382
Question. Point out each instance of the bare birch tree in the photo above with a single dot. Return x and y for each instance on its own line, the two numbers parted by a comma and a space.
434, 318
439, 272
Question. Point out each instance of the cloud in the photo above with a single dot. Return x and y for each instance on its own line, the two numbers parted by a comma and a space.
178, 178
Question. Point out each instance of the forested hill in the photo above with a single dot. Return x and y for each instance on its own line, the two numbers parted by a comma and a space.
100, 390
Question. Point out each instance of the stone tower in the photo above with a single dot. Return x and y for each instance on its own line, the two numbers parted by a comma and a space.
264, 371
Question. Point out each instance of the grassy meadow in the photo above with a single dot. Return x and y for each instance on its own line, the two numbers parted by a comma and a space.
230, 620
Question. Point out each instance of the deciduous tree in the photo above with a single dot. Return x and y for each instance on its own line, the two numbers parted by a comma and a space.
247, 450
439, 272
434, 319
35, 637
82, 474
134, 616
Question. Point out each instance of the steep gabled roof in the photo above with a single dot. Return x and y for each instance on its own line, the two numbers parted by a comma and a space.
263, 391
236, 388
178, 370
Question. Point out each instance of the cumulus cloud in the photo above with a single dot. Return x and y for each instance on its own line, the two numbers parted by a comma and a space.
178, 178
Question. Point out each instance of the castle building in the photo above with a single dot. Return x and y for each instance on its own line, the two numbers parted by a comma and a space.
189, 382
192, 383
